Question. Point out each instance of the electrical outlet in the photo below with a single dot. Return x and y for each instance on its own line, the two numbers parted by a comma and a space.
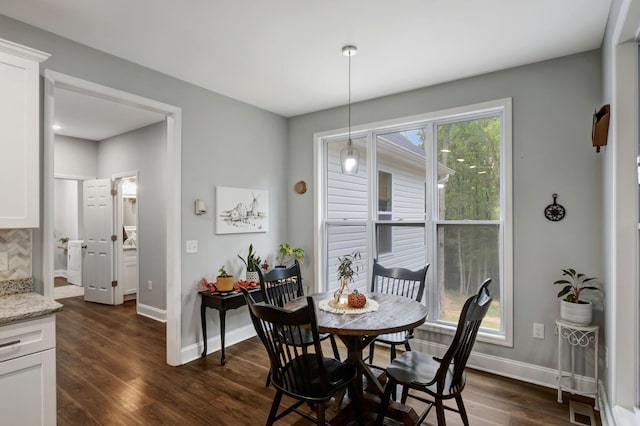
149, 285
538, 331
192, 246
4, 261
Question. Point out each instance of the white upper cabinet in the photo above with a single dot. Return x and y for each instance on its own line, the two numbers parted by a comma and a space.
19, 135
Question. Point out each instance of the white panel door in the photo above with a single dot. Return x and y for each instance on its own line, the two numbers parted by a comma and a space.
97, 264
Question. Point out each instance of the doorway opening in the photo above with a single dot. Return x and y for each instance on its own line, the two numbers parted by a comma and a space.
170, 185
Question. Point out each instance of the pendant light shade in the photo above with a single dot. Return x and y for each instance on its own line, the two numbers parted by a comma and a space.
350, 156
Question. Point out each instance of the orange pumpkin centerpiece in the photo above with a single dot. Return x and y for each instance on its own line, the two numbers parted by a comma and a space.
356, 300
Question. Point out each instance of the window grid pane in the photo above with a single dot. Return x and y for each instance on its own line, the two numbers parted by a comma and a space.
469, 254
347, 195
469, 169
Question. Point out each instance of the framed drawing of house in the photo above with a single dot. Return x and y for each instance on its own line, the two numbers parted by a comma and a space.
240, 210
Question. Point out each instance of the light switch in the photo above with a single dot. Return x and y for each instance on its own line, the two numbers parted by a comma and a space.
192, 246
4, 261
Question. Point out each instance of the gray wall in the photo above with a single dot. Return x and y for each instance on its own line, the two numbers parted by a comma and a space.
65, 219
143, 150
224, 142
75, 157
552, 106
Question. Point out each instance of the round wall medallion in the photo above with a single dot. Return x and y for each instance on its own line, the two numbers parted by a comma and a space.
301, 187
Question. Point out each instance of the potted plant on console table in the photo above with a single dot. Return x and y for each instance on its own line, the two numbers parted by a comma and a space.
224, 281
253, 264
572, 309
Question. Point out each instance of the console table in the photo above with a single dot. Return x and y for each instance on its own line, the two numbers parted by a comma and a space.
222, 302
584, 336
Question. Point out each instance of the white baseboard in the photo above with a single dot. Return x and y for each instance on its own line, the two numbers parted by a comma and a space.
522, 371
60, 273
232, 337
151, 312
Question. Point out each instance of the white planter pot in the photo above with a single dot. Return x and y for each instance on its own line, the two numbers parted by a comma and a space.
576, 313
253, 276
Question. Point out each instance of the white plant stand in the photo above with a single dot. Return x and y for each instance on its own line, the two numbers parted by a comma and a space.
582, 336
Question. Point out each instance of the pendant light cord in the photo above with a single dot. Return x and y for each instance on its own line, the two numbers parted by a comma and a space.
349, 99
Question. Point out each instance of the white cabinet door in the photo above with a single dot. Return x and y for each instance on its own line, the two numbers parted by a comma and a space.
19, 135
29, 384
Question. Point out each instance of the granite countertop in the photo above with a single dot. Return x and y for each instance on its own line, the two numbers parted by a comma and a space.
19, 302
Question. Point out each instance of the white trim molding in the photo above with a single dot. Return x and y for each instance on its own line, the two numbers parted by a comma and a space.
173, 114
194, 351
518, 370
151, 312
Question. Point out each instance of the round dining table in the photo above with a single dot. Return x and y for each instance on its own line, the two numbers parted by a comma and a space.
357, 331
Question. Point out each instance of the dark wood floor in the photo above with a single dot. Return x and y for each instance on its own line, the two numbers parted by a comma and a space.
111, 370
60, 281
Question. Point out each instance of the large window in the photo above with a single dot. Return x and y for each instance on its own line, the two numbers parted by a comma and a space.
434, 191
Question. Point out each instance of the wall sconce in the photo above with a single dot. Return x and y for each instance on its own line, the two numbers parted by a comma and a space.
199, 207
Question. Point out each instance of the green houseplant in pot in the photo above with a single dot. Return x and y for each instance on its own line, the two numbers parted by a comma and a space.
252, 262
348, 268
572, 308
286, 254
224, 281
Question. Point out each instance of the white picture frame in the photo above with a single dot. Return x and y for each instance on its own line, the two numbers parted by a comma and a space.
241, 210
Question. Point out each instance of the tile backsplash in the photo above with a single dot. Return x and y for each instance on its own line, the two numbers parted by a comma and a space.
18, 243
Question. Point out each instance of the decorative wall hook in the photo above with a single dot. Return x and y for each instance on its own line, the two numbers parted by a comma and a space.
554, 212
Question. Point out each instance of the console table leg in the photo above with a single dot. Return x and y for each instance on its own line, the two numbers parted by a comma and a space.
203, 320
559, 330
223, 315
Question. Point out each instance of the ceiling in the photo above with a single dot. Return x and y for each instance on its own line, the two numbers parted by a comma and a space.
95, 119
285, 55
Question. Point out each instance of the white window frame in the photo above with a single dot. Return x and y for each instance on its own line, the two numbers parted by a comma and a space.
427, 121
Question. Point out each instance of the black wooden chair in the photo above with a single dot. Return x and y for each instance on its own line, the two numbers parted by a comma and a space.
440, 378
305, 375
280, 286
399, 281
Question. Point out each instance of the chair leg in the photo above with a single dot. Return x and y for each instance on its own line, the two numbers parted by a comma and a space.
268, 382
463, 412
440, 412
407, 346
405, 394
391, 384
320, 415
334, 346
392, 354
274, 407
372, 346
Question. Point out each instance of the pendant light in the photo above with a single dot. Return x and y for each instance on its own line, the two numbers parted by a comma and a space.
349, 156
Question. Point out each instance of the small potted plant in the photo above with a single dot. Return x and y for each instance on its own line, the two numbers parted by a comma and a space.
63, 242
288, 253
572, 308
348, 268
252, 262
224, 281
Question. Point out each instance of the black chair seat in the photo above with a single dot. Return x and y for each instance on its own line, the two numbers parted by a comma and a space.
399, 338
338, 374
417, 369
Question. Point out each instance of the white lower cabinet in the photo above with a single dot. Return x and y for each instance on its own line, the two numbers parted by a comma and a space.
28, 380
